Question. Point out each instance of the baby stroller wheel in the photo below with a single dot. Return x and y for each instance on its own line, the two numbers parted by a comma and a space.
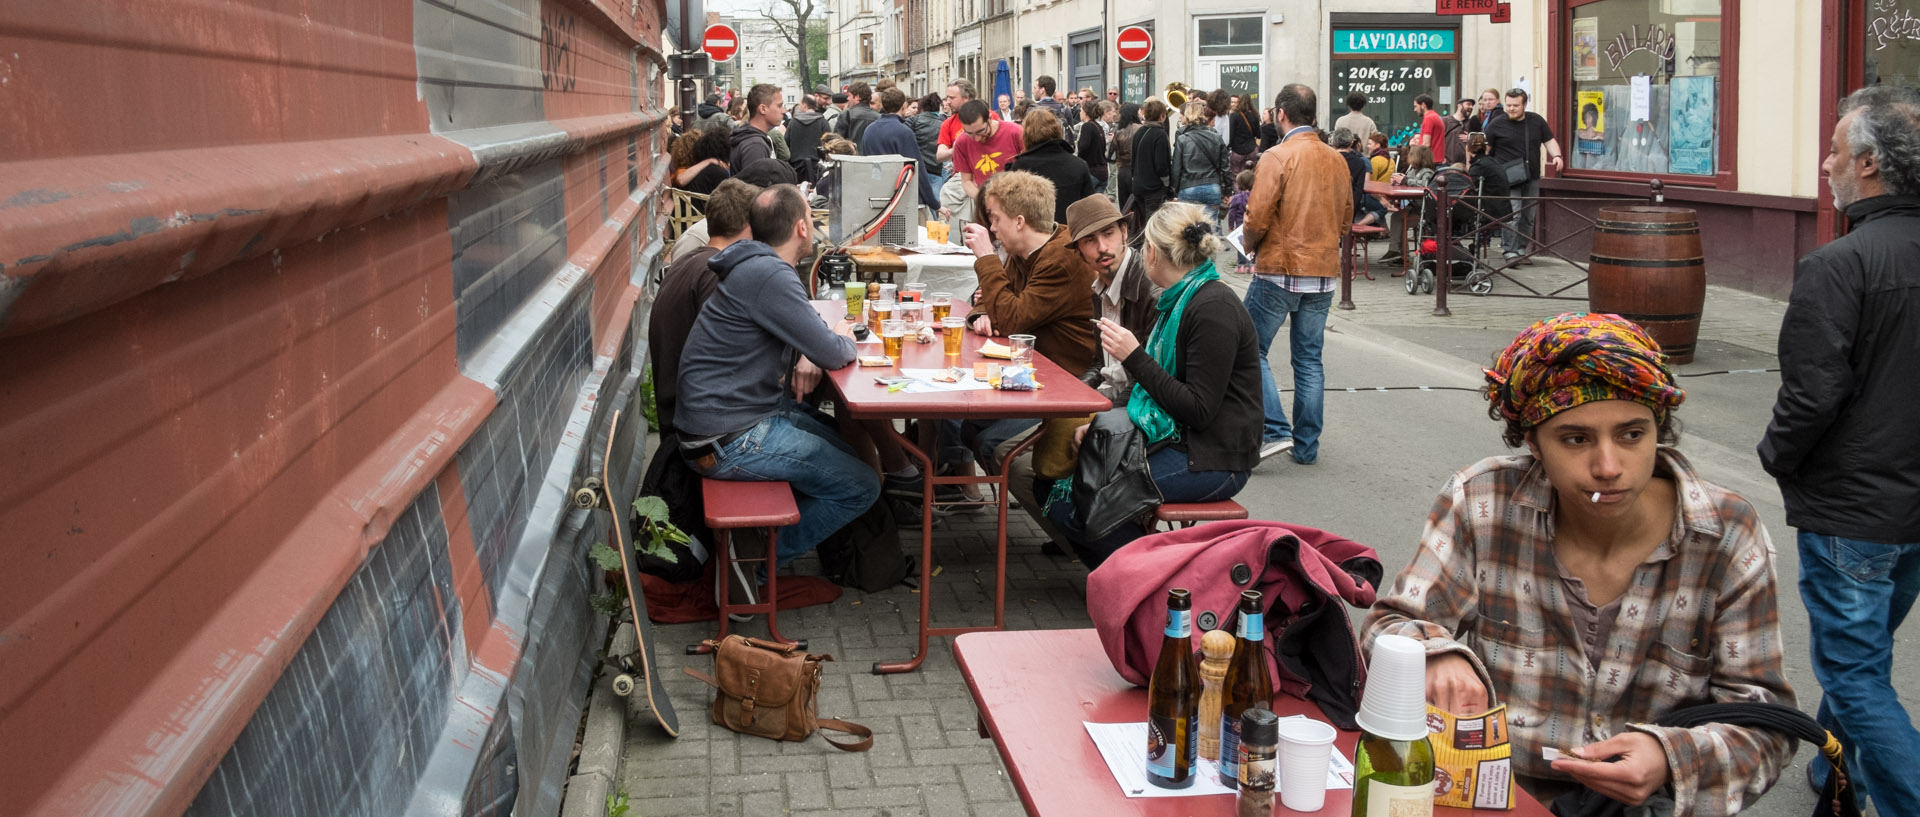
1413, 280
1480, 282
1426, 282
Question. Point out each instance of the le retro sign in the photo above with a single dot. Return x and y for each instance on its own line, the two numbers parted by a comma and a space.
1499, 12
1393, 41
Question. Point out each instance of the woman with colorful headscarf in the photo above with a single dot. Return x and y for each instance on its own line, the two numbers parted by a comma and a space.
1196, 379
1597, 583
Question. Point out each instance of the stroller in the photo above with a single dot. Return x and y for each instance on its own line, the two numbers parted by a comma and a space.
1462, 258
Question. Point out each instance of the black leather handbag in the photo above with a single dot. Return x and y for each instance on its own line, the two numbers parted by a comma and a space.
1112, 483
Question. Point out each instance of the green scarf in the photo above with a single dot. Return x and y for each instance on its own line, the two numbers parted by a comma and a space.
1146, 413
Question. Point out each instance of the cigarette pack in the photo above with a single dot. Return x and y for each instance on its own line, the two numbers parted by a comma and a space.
1472, 759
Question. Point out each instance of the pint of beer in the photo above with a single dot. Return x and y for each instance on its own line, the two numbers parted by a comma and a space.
882, 311
941, 303
892, 333
956, 327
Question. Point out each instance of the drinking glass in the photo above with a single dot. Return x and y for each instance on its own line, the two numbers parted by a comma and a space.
956, 326
887, 292
892, 334
914, 313
1022, 350
856, 300
941, 303
882, 311
916, 293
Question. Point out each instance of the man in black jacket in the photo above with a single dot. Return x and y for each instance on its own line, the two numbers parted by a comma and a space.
859, 114
1152, 162
1844, 443
804, 130
749, 141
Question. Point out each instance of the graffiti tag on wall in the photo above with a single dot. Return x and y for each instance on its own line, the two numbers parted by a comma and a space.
557, 57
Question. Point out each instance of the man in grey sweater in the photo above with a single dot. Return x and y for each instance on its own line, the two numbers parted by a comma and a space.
738, 418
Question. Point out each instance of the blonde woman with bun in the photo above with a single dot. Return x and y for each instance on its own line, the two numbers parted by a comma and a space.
1196, 394
1200, 162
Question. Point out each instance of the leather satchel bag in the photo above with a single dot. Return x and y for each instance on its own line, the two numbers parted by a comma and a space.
769, 689
1113, 483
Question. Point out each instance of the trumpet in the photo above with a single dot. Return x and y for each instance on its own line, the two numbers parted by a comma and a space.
1177, 94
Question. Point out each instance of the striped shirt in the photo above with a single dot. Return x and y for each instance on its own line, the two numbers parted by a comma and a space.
1698, 624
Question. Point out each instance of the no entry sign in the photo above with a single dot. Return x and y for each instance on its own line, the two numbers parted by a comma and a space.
721, 42
1135, 44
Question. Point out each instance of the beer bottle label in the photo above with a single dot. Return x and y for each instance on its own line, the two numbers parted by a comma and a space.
1253, 626
1179, 623
1172, 743
1230, 746
1388, 800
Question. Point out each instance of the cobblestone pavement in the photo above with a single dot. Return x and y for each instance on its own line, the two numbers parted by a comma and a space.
1384, 454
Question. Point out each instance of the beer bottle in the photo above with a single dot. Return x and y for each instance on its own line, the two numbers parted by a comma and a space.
1246, 685
1173, 701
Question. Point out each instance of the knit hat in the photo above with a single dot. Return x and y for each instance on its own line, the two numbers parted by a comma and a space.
1577, 358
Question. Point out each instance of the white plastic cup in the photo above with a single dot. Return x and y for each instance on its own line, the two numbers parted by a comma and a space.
1394, 705
1306, 753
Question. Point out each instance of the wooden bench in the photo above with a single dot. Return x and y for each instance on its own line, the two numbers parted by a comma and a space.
733, 505
1188, 514
1363, 234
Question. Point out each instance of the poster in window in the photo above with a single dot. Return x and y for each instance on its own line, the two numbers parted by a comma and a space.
1690, 126
1586, 49
1592, 135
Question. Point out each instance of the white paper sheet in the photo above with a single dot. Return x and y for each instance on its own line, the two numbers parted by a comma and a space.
1238, 238
966, 382
1122, 745
1640, 106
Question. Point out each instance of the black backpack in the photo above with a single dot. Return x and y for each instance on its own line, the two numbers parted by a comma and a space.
865, 554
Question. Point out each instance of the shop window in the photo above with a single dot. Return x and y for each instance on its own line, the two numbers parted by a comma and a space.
1391, 67
1231, 36
1647, 91
1891, 43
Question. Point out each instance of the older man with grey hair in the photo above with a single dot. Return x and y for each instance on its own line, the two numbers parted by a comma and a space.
1843, 443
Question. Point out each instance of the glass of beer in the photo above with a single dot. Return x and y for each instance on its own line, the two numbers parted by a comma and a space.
940, 303
882, 311
914, 313
916, 293
1022, 350
892, 334
856, 300
956, 326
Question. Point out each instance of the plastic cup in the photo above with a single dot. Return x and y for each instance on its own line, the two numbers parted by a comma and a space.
856, 300
956, 328
916, 293
1022, 354
914, 313
940, 304
1306, 750
881, 311
892, 335
1394, 705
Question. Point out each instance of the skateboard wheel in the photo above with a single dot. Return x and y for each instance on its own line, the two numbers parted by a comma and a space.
623, 685
585, 498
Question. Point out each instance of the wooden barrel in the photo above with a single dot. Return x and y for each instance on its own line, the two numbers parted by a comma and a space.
1648, 268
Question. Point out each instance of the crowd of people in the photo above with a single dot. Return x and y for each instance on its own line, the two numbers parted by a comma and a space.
1596, 583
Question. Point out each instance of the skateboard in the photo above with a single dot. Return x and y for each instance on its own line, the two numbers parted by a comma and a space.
612, 495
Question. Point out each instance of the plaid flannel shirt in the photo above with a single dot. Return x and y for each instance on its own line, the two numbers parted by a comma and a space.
1698, 624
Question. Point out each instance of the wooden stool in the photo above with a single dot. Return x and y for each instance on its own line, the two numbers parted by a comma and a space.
1188, 514
1362, 235
732, 505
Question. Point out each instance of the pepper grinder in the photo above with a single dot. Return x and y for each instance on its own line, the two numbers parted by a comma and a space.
1216, 647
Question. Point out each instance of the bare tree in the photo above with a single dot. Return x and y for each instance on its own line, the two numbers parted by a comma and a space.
795, 30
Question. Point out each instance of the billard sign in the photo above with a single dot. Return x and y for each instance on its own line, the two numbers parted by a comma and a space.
721, 42
1135, 44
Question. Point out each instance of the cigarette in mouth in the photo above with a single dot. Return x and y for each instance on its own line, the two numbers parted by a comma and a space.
1596, 496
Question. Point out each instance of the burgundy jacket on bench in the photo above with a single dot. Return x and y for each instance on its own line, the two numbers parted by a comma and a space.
1303, 573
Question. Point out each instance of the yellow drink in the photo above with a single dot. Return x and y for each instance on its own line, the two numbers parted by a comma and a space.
892, 342
882, 312
952, 339
856, 299
940, 310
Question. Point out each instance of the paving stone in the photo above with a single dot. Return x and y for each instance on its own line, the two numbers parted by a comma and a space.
986, 782
764, 802
666, 805
808, 790
761, 779
1010, 808
872, 796
979, 754
946, 801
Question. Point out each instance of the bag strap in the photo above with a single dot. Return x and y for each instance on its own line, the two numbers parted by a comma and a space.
864, 743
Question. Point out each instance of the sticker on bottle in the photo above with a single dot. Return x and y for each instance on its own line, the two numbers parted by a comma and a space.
1387, 800
1230, 746
1179, 623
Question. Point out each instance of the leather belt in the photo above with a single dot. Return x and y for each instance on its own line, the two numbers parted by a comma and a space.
707, 454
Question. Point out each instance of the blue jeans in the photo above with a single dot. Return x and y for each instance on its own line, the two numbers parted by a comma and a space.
1856, 594
1269, 304
976, 440
1208, 196
1177, 484
831, 486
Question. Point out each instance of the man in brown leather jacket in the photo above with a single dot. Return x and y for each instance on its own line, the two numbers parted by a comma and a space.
1300, 208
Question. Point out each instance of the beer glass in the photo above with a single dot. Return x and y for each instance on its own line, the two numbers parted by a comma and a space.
956, 326
916, 293
892, 333
914, 313
882, 311
941, 303
856, 300
1022, 350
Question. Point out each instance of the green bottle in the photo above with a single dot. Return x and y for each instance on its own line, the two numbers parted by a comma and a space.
1393, 762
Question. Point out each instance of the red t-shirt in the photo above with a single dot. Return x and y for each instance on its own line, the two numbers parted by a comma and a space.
1433, 131
950, 127
982, 161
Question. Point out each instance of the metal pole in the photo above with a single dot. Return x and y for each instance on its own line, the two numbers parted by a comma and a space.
1443, 255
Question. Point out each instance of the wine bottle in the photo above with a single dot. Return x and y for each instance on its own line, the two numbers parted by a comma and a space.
1173, 700
1246, 684
1392, 778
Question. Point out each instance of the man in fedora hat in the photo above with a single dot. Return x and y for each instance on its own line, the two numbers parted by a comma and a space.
1122, 291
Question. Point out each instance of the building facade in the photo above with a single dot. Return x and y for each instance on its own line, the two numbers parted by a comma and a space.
857, 48
765, 56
